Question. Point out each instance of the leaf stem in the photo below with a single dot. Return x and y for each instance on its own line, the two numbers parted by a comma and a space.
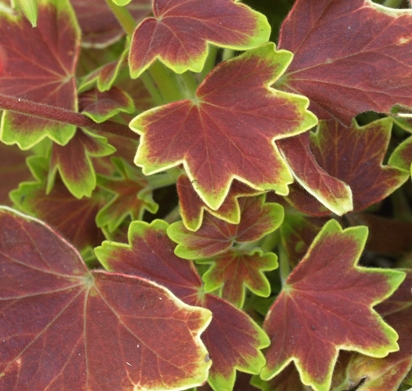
124, 17
210, 62
166, 82
227, 54
190, 84
53, 113
284, 267
154, 92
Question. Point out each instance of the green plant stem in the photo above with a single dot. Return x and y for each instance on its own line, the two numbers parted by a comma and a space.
190, 85
270, 241
210, 62
39, 110
154, 92
228, 54
166, 82
284, 267
392, 3
124, 17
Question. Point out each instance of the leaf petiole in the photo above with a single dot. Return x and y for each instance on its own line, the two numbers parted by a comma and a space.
124, 17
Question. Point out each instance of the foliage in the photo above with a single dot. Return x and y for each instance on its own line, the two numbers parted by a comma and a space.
205, 195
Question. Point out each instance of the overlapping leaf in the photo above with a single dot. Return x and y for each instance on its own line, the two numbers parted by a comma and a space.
179, 32
132, 196
386, 374
73, 162
228, 132
100, 106
216, 236
60, 322
232, 338
287, 380
100, 27
40, 67
297, 233
192, 207
354, 156
349, 57
326, 306
331, 192
216, 243
73, 218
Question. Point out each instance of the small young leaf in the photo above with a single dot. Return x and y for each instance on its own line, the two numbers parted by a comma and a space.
349, 56
61, 322
100, 106
74, 164
326, 305
104, 76
179, 32
216, 236
228, 132
235, 270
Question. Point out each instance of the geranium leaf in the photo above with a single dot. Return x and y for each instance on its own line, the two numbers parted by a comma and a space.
326, 305
236, 116
104, 76
100, 106
348, 57
216, 236
355, 156
331, 192
60, 321
73, 162
100, 27
232, 338
73, 218
132, 196
386, 374
179, 32
41, 64
192, 207
234, 270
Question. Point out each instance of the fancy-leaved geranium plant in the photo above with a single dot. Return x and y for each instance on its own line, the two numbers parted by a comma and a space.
205, 195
